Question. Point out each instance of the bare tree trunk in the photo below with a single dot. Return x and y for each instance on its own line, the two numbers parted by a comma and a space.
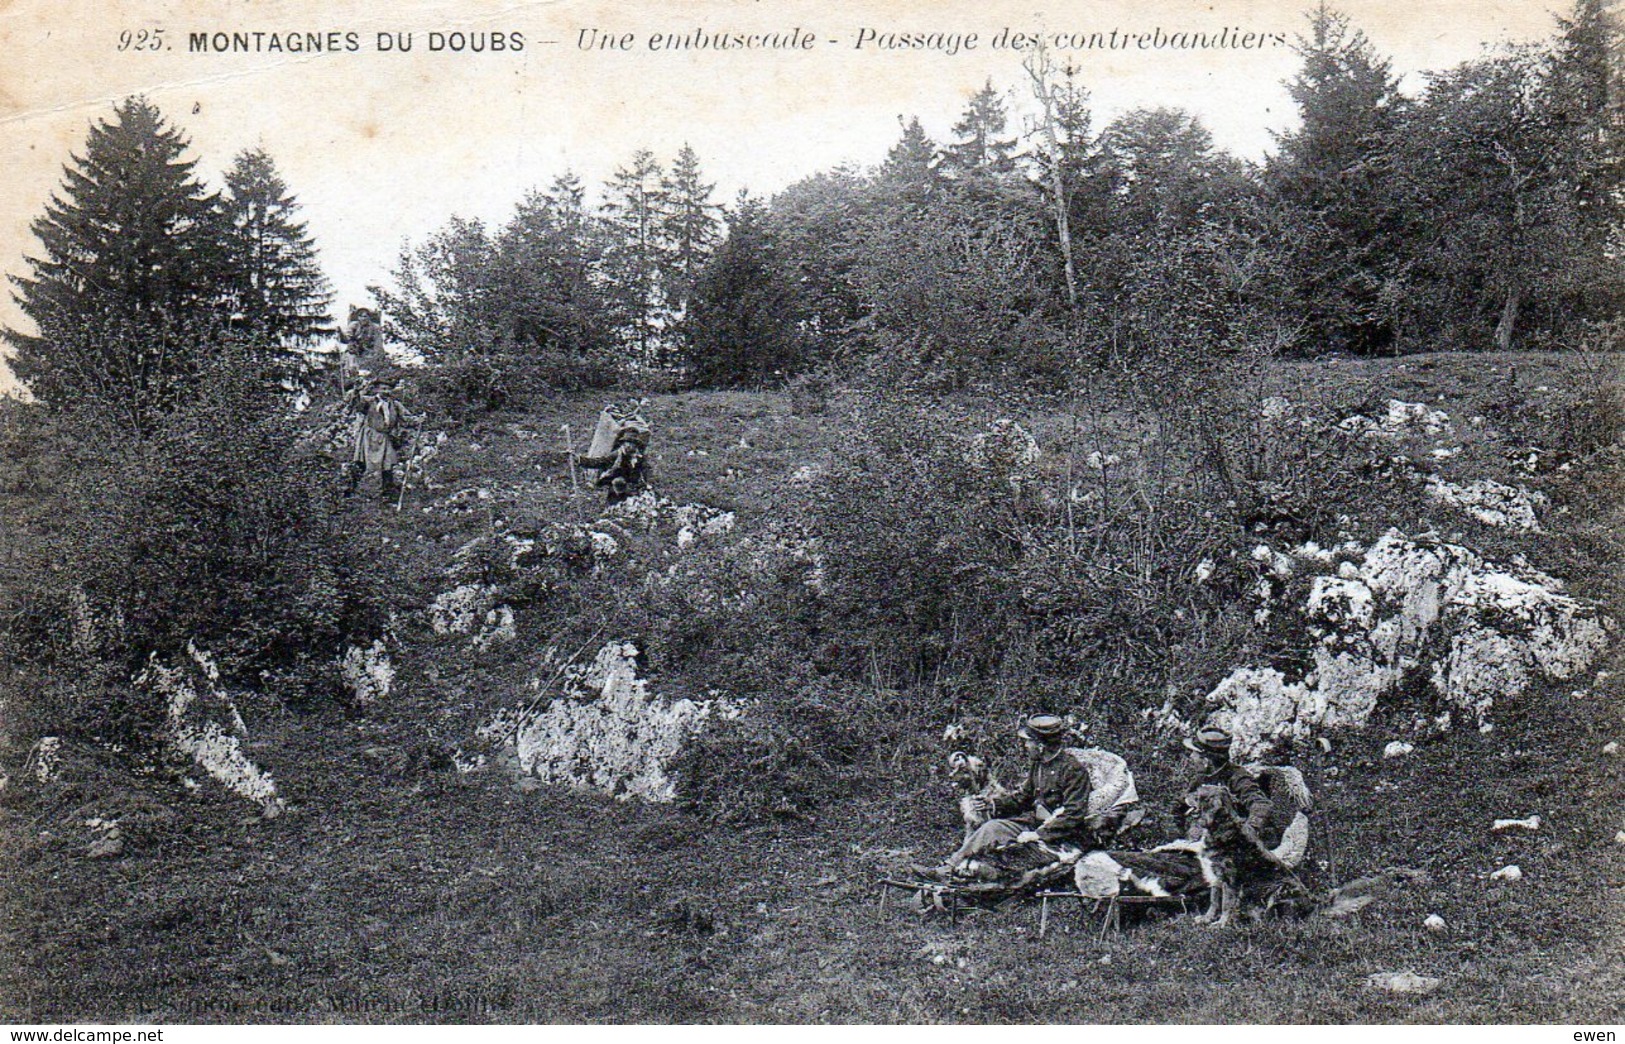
1509, 319
1038, 67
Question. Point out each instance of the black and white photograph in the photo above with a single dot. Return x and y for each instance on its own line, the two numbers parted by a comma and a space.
886, 512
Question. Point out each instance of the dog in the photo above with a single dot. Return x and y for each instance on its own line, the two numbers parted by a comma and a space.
1232, 860
978, 789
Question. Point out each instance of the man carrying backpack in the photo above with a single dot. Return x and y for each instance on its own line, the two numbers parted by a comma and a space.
1072, 797
624, 470
380, 427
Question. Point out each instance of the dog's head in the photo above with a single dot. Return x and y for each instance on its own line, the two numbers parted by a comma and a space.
967, 772
1210, 805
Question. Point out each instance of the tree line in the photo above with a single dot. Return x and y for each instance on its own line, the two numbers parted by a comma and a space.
143, 271
1484, 212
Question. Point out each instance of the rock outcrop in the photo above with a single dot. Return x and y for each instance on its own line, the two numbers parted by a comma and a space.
606, 730
1477, 632
368, 672
204, 724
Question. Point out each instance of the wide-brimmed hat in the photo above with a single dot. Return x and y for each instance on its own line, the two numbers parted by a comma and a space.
1210, 739
1043, 728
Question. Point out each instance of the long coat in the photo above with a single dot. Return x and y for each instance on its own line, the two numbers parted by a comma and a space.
378, 431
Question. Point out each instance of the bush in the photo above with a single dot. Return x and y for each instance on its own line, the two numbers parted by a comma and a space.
214, 528
470, 383
917, 543
782, 762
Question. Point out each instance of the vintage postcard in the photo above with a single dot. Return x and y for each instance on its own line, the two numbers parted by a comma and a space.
764, 511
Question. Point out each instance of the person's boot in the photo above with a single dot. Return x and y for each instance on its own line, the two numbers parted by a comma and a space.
352, 478
386, 483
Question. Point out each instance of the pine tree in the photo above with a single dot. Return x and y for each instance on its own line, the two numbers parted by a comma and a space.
124, 289
1348, 101
980, 149
910, 169
634, 208
689, 226
273, 280
1334, 171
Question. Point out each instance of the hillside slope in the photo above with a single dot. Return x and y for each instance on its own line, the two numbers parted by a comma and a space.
398, 887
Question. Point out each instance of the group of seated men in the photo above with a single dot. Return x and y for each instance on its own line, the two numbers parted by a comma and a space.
1067, 806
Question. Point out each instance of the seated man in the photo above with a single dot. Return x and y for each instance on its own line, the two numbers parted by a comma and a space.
1072, 799
1210, 748
1240, 846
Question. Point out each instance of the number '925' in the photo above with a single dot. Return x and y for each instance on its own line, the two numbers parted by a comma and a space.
141, 40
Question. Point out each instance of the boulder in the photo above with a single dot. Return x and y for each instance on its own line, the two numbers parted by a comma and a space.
204, 724
368, 672
606, 731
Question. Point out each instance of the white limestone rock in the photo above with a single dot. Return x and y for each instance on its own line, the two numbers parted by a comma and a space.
462, 609
368, 672
1405, 982
1478, 632
205, 725
606, 731
47, 759
1494, 504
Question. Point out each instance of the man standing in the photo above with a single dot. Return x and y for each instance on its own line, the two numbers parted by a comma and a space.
361, 336
380, 425
1052, 806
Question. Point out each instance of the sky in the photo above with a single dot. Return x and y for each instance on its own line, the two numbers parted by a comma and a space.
381, 147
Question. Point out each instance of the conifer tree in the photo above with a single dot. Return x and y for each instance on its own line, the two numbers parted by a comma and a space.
634, 209
126, 280
552, 250
910, 169
980, 148
1334, 172
273, 280
743, 326
689, 227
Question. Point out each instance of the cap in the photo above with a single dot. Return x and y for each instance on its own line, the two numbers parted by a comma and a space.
1210, 739
1044, 728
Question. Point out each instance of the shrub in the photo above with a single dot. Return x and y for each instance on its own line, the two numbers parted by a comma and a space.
917, 543
469, 383
214, 528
